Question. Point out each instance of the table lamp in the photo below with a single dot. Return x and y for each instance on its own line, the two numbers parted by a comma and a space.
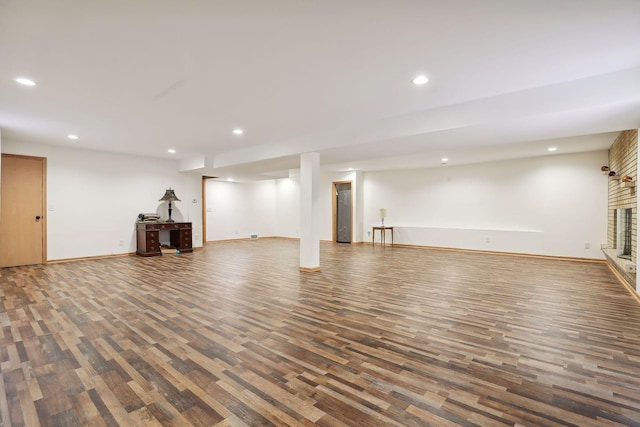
383, 213
170, 196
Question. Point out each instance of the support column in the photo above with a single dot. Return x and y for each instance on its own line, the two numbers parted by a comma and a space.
310, 212
359, 211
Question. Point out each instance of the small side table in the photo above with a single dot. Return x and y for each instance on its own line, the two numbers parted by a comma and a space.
383, 234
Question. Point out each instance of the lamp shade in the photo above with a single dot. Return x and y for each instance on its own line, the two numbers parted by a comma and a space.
169, 196
383, 213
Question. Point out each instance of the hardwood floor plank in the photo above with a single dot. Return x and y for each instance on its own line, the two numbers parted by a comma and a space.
102, 409
236, 335
5, 419
86, 411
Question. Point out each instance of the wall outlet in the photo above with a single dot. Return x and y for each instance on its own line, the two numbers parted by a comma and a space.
209, 210
369, 233
487, 239
587, 245
120, 242
194, 201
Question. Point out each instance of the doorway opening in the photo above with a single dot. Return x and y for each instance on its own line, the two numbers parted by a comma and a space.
342, 212
204, 208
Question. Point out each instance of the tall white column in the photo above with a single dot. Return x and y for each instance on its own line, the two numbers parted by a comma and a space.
359, 211
310, 212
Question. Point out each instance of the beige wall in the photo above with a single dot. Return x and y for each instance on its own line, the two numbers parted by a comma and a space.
623, 159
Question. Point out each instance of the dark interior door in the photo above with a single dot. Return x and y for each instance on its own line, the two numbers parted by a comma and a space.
343, 214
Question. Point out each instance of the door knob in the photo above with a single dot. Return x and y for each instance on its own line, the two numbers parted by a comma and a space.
37, 218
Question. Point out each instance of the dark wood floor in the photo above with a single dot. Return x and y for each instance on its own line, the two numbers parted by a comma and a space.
235, 335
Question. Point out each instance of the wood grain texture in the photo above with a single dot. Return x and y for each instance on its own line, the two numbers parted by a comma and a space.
236, 335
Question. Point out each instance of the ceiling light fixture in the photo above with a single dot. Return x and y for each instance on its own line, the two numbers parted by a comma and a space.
230, 179
238, 131
444, 160
171, 151
25, 81
420, 80
552, 149
72, 136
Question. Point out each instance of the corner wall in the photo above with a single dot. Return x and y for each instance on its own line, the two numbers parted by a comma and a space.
272, 207
94, 198
236, 210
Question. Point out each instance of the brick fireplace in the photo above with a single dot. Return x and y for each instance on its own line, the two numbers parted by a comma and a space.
622, 209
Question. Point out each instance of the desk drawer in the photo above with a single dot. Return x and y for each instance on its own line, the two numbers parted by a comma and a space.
152, 241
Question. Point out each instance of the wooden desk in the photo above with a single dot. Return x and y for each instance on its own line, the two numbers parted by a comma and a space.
148, 236
383, 233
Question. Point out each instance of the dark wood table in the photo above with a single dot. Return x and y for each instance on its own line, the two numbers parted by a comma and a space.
383, 233
148, 234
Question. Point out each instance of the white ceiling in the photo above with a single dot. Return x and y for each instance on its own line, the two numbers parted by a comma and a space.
507, 79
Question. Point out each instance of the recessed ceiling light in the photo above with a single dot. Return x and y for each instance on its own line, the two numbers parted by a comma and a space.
171, 151
552, 149
230, 179
350, 169
444, 160
25, 81
238, 131
420, 80
72, 136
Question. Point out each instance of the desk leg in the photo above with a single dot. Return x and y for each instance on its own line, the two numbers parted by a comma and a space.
392, 237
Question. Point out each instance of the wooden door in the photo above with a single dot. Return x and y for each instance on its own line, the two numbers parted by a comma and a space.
22, 222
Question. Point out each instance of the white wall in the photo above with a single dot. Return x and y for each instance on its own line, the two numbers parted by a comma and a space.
93, 198
549, 205
231, 207
287, 219
236, 210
